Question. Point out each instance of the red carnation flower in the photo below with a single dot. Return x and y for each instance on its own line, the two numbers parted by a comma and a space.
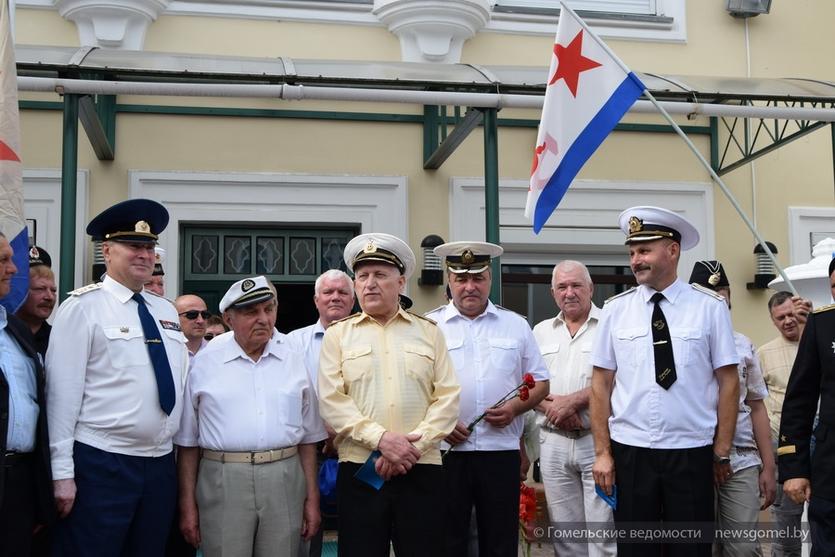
529, 381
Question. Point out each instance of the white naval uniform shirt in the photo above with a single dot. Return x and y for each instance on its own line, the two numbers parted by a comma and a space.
568, 358
644, 414
309, 341
236, 404
490, 353
101, 386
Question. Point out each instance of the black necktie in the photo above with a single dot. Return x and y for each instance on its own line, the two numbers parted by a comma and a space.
159, 359
662, 344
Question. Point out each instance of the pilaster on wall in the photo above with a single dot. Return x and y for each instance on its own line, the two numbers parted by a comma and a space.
433, 30
113, 24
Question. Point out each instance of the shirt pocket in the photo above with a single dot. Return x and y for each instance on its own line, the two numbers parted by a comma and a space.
550, 352
585, 365
289, 411
504, 355
630, 343
357, 362
126, 347
420, 362
685, 342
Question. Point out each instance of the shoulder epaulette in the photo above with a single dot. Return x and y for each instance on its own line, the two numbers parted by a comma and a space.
510, 310
347, 318
824, 308
160, 296
708, 291
419, 316
616, 296
86, 289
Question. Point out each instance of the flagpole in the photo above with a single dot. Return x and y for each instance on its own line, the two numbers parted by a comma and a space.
693, 148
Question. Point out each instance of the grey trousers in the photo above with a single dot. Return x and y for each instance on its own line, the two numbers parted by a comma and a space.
787, 515
248, 509
737, 507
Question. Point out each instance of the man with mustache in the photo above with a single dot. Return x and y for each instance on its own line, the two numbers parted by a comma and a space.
664, 387
251, 415
41, 299
491, 348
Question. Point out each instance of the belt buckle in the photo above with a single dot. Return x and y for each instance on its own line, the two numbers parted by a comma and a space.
253, 457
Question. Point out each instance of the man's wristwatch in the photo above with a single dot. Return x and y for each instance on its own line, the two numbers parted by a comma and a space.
721, 459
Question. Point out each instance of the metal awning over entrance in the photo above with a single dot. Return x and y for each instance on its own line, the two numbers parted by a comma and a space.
749, 117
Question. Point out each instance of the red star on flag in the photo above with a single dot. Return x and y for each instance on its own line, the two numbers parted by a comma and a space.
571, 62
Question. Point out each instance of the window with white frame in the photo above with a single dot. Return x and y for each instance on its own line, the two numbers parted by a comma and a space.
642, 7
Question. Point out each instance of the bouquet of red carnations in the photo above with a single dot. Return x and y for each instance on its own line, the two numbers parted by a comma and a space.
522, 390
527, 516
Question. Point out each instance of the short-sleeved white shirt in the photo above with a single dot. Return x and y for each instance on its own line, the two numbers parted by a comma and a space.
644, 414
490, 353
233, 403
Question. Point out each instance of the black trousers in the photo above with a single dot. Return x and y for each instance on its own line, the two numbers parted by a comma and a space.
405, 512
488, 481
17, 508
822, 524
663, 486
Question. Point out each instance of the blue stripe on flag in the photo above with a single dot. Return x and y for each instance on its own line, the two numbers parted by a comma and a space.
20, 280
584, 146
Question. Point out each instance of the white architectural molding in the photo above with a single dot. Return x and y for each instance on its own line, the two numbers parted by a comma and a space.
42, 204
376, 203
585, 223
609, 28
433, 30
806, 224
114, 24
360, 13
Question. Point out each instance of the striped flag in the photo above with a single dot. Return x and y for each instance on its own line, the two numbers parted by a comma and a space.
12, 221
588, 92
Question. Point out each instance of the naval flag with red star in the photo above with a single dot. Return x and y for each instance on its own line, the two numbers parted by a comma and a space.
12, 221
588, 92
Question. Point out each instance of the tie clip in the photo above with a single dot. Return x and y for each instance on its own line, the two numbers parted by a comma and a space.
659, 342
153, 340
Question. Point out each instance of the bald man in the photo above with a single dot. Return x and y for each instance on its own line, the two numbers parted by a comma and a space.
193, 317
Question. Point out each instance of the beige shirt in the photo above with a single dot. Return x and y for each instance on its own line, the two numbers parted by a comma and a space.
568, 358
776, 361
395, 377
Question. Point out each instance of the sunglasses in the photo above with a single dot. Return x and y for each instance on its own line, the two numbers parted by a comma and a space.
192, 314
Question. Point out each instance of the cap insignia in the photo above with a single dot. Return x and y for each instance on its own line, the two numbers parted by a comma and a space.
370, 247
635, 225
142, 226
247, 285
713, 279
467, 258
34, 253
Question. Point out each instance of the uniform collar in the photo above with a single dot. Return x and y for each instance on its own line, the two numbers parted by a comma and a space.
451, 312
276, 346
594, 314
117, 289
401, 313
671, 293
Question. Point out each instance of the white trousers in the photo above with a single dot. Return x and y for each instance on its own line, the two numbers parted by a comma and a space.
569, 490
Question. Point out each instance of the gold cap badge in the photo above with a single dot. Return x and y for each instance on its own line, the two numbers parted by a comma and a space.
369, 247
142, 226
467, 257
247, 285
635, 225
